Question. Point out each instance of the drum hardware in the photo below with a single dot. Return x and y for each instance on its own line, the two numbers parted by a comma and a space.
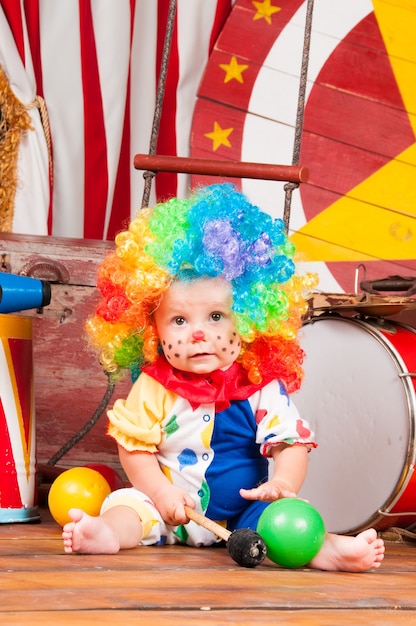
405, 284
409, 533
359, 267
314, 317
401, 514
369, 306
379, 323
373, 301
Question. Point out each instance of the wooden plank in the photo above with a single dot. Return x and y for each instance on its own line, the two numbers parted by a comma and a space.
397, 19
381, 129
238, 588
174, 584
343, 270
80, 257
338, 167
354, 167
382, 125
207, 615
252, 38
358, 76
227, 118
69, 381
346, 226
366, 35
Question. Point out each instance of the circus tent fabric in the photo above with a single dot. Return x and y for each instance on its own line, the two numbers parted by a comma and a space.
95, 65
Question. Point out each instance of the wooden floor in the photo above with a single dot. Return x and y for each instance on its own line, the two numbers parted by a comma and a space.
39, 584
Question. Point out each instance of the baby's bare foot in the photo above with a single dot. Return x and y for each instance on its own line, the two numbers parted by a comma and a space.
89, 535
350, 554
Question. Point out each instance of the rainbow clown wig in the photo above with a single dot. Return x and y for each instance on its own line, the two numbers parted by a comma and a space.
214, 232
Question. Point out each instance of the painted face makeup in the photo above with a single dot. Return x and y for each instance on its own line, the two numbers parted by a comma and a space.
196, 327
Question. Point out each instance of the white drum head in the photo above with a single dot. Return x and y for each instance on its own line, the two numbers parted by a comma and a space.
357, 404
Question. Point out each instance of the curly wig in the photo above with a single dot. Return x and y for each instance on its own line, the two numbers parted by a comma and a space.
214, 232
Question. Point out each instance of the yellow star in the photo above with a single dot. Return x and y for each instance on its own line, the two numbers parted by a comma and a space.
233, 70
265, 10
219, 136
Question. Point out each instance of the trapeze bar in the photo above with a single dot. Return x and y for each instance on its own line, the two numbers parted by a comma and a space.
212, 167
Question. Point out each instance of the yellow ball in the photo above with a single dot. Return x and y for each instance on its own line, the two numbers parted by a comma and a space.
80, 488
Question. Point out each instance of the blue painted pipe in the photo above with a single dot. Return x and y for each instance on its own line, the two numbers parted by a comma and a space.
18, 293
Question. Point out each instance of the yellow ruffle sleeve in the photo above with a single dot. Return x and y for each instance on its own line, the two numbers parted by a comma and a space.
135, 423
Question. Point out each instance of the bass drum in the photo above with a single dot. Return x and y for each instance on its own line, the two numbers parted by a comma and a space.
358, 395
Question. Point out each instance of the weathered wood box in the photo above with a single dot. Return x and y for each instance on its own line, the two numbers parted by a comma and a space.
69, 381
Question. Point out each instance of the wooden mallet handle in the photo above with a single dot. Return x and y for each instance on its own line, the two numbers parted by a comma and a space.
207, 523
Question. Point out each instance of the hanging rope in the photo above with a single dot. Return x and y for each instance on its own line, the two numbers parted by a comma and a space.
160, 94
290, 187
39, 103
86, 428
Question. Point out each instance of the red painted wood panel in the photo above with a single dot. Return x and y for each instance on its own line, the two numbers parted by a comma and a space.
233, 93
355, 120
249, 38
349, 165
377, 128
335, 166
227, 118
366, 72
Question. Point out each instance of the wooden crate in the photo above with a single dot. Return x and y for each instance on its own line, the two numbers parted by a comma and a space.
69, 381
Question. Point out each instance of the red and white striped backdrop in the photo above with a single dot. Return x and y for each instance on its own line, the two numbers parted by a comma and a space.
96, 64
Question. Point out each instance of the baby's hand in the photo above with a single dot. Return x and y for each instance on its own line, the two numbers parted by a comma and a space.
268, 492
170, 502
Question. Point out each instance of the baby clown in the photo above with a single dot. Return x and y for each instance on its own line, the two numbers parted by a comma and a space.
199, 375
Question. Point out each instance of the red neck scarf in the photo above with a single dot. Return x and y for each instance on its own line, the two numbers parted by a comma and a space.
219, 387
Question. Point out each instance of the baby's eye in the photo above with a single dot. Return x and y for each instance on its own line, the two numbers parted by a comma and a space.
216, 317
179, 321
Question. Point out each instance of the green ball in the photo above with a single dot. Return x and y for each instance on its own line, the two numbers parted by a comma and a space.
292, 530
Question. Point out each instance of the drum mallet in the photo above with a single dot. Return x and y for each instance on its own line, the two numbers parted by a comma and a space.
244, 545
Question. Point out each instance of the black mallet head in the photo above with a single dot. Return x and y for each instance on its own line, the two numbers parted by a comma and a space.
246, 547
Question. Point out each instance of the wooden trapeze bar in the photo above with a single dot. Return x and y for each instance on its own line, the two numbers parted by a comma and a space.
213, 167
